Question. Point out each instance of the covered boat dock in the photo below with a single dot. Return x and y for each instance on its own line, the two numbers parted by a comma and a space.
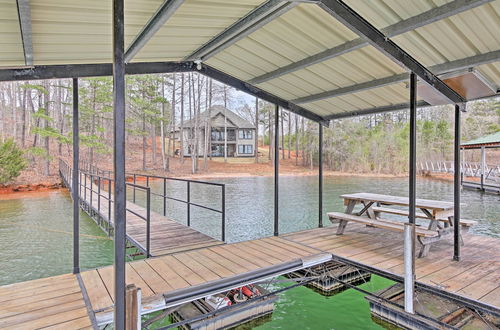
322, 59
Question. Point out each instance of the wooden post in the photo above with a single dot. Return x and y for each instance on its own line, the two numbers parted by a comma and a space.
133, 308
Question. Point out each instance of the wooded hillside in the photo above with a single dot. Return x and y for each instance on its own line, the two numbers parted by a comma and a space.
38, 116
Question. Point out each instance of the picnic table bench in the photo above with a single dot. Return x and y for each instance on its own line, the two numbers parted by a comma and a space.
373, 205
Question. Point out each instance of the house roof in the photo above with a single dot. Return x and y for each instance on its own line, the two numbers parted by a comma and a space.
218, 110
486, 141
295, 50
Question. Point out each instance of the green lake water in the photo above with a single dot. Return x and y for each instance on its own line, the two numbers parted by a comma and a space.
36, 240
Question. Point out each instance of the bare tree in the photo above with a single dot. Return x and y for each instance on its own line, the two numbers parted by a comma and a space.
181, 130
256, 130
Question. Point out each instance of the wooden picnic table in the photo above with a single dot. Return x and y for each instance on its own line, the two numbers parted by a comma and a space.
432, 210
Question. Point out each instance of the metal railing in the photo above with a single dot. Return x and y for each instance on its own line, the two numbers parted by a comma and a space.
91, 184
467, 168
188, 200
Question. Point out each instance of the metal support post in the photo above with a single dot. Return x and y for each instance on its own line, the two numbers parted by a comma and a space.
409, 237
483, 166
456, 188
76, 184
409, 263
119, 162
276, 169
164, 197
320, 175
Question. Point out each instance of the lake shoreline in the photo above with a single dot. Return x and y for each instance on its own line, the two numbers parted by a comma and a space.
54, 182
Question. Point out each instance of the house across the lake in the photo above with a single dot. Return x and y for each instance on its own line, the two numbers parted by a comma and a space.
240, 134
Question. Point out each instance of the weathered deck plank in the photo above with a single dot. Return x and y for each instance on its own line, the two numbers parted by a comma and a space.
58, 302
42, 303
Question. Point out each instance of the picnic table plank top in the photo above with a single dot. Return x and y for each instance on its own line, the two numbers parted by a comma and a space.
399, 200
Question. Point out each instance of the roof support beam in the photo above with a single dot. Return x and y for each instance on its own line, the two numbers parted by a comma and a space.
371, 111
166, 10
24, 13
106, 69
347, 16
40, 72
261, 94
257, 18
456, 65
412, 23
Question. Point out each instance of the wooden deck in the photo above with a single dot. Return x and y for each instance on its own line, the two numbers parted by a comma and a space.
50, 303
476, 276
167, 236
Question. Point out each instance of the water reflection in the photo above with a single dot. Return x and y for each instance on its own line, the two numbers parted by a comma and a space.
249, 203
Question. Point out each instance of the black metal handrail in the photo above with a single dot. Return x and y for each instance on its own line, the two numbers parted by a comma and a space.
187, 201
94, 179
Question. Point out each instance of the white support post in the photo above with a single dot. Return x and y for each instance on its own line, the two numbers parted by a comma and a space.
409, 264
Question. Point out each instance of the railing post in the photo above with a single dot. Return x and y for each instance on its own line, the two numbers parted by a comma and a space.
109, 205
148, 221
133, 188
91, 189
80, 182
223, 213
188, 203
164, 197
85, 187
99, 196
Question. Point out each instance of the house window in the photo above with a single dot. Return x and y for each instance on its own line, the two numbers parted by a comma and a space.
245, 149
245, 134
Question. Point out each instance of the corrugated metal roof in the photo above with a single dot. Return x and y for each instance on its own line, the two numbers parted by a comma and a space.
70, 31
11, 46
491, 139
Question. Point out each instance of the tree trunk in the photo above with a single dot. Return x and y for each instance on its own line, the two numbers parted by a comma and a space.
282, 135
25, 108
303, 143
289, 134
256, 149
144, 142
205, 129
225, 124
181, 130
153, 142
272, 144
47, 125
191, 132
210, 119
14, 111
37, 120
296, 139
